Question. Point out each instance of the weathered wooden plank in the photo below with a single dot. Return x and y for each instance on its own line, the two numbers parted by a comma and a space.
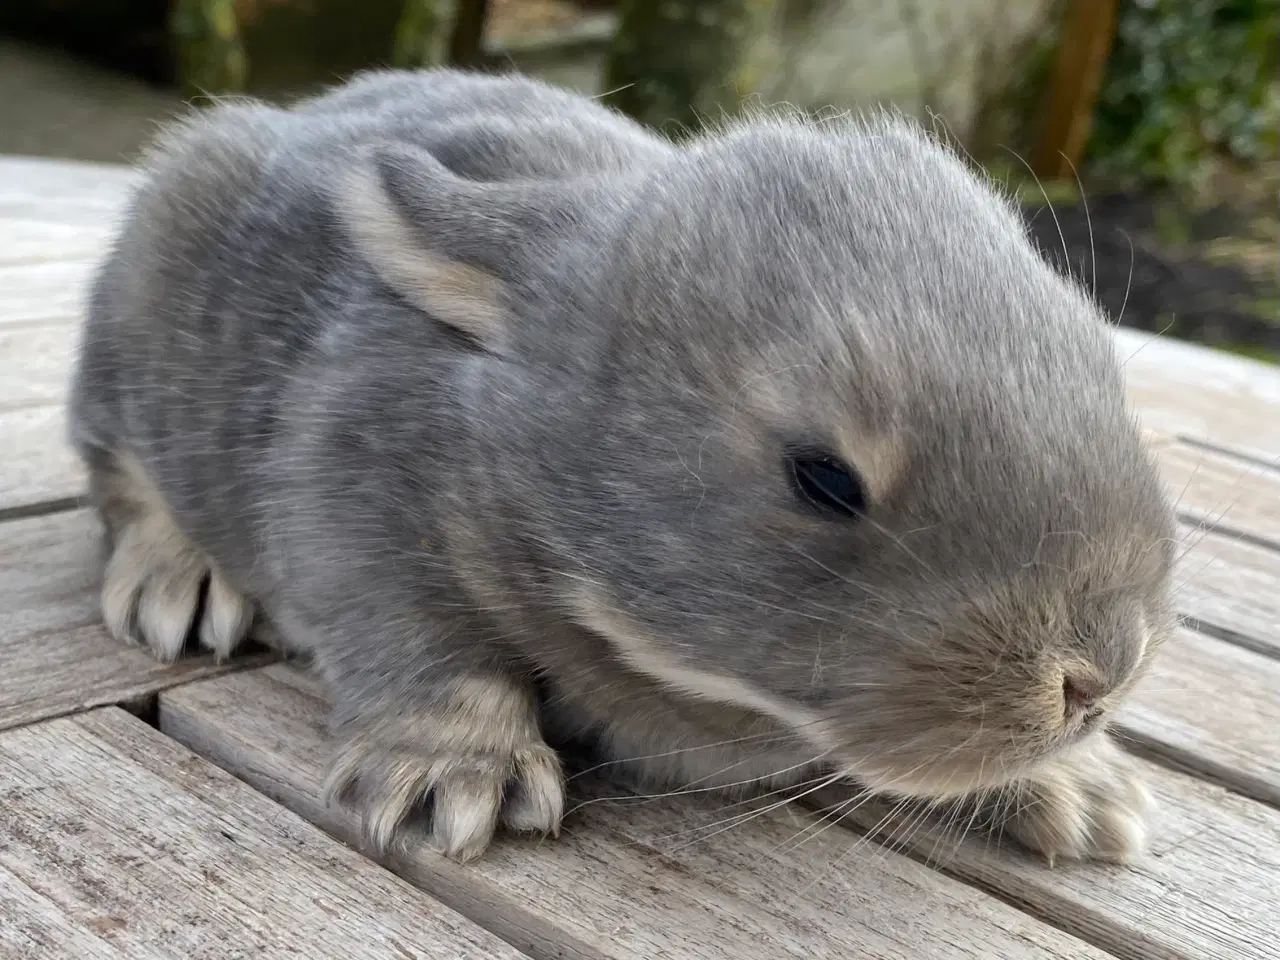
35, 363
24, 240
1210, 395
1216, 490
1231, 588
35, 926
1204, 890
119, 843
44, 291
61, 191
38, 465
632, 878
1212, 707
55, 658
36, 356
92, 211
42, 176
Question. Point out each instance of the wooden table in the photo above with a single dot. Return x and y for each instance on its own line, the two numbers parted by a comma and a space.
151, 811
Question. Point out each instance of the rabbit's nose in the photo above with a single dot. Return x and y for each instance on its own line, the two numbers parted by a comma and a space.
1081, 695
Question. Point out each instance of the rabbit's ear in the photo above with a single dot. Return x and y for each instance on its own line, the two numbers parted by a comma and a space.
445, 242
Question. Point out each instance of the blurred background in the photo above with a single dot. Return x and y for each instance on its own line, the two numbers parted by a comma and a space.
1141, 135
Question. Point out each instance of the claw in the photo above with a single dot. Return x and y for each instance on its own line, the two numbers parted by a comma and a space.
1088, 806
469, 792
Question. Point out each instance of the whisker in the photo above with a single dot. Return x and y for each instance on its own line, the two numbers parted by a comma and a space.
690, 789
1088, 219
1066, 253
759, 813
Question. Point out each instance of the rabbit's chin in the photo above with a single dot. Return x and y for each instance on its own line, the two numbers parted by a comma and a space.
937, 771
951, 777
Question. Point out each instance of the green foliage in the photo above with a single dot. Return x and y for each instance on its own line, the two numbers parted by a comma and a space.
422, 34
211, 53
1190, 82
675, 64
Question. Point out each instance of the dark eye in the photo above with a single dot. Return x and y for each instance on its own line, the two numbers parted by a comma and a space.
826, 483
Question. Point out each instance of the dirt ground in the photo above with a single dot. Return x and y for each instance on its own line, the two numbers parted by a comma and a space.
1209, 277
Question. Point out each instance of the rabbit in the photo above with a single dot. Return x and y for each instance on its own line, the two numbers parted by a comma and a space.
773, 456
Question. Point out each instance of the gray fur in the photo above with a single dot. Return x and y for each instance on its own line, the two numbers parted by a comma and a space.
554, 453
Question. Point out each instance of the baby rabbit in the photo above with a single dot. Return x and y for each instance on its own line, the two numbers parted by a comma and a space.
773, 455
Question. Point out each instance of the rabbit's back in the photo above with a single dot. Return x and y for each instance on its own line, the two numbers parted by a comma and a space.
233, 282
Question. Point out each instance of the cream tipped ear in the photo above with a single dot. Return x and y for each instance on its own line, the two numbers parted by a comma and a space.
465, 297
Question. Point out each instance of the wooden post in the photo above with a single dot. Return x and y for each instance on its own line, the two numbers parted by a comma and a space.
682, 61
466, 44
1086, 42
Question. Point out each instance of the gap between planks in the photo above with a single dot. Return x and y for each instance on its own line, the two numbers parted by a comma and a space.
55, 656
122, 845
1228, 587
1199, 893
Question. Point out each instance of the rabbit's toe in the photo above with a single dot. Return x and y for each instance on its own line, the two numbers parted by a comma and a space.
1087, 806
469, 773
159, 590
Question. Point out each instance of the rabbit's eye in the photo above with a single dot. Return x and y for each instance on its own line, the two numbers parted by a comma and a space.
826, 483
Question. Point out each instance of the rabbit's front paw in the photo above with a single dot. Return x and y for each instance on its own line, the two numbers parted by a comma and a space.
159, 588
1086, 805
476, 760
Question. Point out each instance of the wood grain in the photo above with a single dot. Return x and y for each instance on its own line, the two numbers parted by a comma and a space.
39, 326
119, 843
24, 240
1219, 491
1230, 588
38, 465
1203, 891
55, 657
35, 363
1214, 708
55, 290
63, 192
632, 878
1209, 395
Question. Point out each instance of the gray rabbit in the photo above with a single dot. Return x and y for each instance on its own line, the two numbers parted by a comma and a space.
776, 455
